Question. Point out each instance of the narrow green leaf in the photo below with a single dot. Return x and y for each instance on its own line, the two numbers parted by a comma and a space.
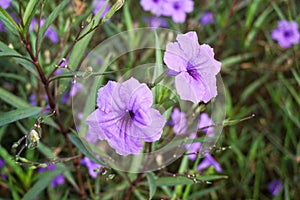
252, 9
5, 16
173, 181
30, 17
42, 183
29, 10
51, 18
152, 184
15, 115
12, 99
11, 163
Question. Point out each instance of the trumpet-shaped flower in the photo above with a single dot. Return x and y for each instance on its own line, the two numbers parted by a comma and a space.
286, 33
207, 18
155, 6
274, 187
194, 67
124, 117
178, 9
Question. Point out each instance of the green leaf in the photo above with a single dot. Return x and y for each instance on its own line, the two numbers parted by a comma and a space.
51, 18
173, 181
83, 149
31, 15
152, 184
11, 163
12, 99
30, 8
42, 183
15, 115
9, 21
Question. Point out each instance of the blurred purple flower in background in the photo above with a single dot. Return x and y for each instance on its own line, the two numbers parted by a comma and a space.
75, 88
179, 122
50, 33
155, 6
193, 147
98, 4
195, 67
58, 180
1, 163
5, 3
207, 18
178, 9
204, 121
2, 27
207, 162
274, 187
155, 22
286, 33
93, 167
124, 116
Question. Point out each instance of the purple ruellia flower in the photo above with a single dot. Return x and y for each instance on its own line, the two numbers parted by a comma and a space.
1, 163
155, 6
124, 117
194, 66
75, 89
98, 4
32, 100
178, 9
5, 3
286, 33
204, 121
274, 187
207, 18
193, 147
207, 162
178, 120
58, 180
155, 22
50, 33
93, 167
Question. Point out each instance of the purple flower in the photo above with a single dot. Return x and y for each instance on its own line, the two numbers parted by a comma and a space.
155, 6
58, 180
124, 117
274, 187
50, 33
93, 167
2, 27
98, 4
177, 9
207, 18
75, 89
195, 67
209, 161
155, 22
32, 100
204, 121
5, 3
178, 120
286, 33
2, 163
194, 147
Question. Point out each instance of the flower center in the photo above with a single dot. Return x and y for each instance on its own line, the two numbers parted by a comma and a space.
192, 71
288, 33
155, 1
131, 114
176, 6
